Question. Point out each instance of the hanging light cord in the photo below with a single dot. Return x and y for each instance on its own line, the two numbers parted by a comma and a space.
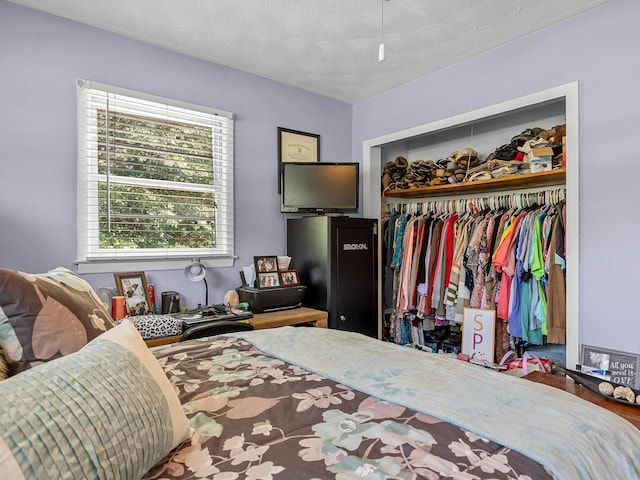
381, 48
382, 22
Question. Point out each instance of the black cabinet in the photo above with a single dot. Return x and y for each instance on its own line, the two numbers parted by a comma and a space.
337, 260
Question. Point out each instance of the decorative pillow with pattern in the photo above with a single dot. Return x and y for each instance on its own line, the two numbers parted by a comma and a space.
46, 316
106, 411
157, 326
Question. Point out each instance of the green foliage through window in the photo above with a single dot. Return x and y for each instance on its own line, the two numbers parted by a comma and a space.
155, 177
136, 216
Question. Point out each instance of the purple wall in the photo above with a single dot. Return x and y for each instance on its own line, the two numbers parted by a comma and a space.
41, 56
598, 49
40, 59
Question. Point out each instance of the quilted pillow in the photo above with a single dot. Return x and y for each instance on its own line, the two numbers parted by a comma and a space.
46, 316
106, 411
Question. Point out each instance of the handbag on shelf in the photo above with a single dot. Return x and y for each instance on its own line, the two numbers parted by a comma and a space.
519, 367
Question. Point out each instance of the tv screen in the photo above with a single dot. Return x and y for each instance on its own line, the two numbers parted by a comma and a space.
320, 187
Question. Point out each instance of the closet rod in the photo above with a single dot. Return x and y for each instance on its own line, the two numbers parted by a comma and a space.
548, 196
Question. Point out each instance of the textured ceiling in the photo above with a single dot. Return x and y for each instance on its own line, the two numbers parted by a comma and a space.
328, 47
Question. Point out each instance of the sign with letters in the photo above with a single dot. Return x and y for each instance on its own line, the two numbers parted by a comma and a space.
478, 333
614, 365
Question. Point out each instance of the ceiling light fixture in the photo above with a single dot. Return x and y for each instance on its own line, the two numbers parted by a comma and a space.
381, 48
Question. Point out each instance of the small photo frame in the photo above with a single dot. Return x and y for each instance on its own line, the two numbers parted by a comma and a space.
133, 287
266, 263
268, 280
289, 278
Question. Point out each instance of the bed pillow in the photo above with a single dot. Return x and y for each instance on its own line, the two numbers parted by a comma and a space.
106, 411
46, 316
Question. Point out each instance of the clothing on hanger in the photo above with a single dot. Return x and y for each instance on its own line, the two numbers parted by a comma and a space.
503, 252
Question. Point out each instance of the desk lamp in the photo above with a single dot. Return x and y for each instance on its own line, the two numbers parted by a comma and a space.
195, 272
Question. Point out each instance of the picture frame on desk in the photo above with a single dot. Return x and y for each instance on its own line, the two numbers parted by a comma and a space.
268, 280
133, 287
289, 278
265, 263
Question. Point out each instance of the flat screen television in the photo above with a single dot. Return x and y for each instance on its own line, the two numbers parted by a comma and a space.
320, 187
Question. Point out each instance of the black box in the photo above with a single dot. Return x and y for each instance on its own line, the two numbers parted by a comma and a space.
337, 259
262, 300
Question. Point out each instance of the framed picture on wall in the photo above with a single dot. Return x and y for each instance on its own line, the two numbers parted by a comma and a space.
296, 146
133, 287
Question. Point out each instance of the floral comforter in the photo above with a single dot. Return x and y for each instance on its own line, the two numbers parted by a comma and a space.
255, 416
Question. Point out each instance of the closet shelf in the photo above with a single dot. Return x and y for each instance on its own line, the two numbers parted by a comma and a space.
525, 180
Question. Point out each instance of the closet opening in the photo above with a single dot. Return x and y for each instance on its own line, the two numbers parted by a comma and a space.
481, 129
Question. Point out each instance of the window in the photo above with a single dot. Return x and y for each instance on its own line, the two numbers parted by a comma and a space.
155, 179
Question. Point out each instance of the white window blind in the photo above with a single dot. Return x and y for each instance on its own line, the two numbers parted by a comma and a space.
155, 177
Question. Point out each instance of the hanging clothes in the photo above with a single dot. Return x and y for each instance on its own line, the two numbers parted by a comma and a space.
556, 297
508, 258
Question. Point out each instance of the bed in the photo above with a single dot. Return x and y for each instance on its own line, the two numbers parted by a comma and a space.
294, 403
317, 403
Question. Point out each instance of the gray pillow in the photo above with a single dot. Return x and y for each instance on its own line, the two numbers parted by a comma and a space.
46, 316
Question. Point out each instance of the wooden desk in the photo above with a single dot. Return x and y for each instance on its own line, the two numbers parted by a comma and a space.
629, 412
294, 316
155, 342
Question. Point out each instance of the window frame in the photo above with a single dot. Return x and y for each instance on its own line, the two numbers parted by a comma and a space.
89, 260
